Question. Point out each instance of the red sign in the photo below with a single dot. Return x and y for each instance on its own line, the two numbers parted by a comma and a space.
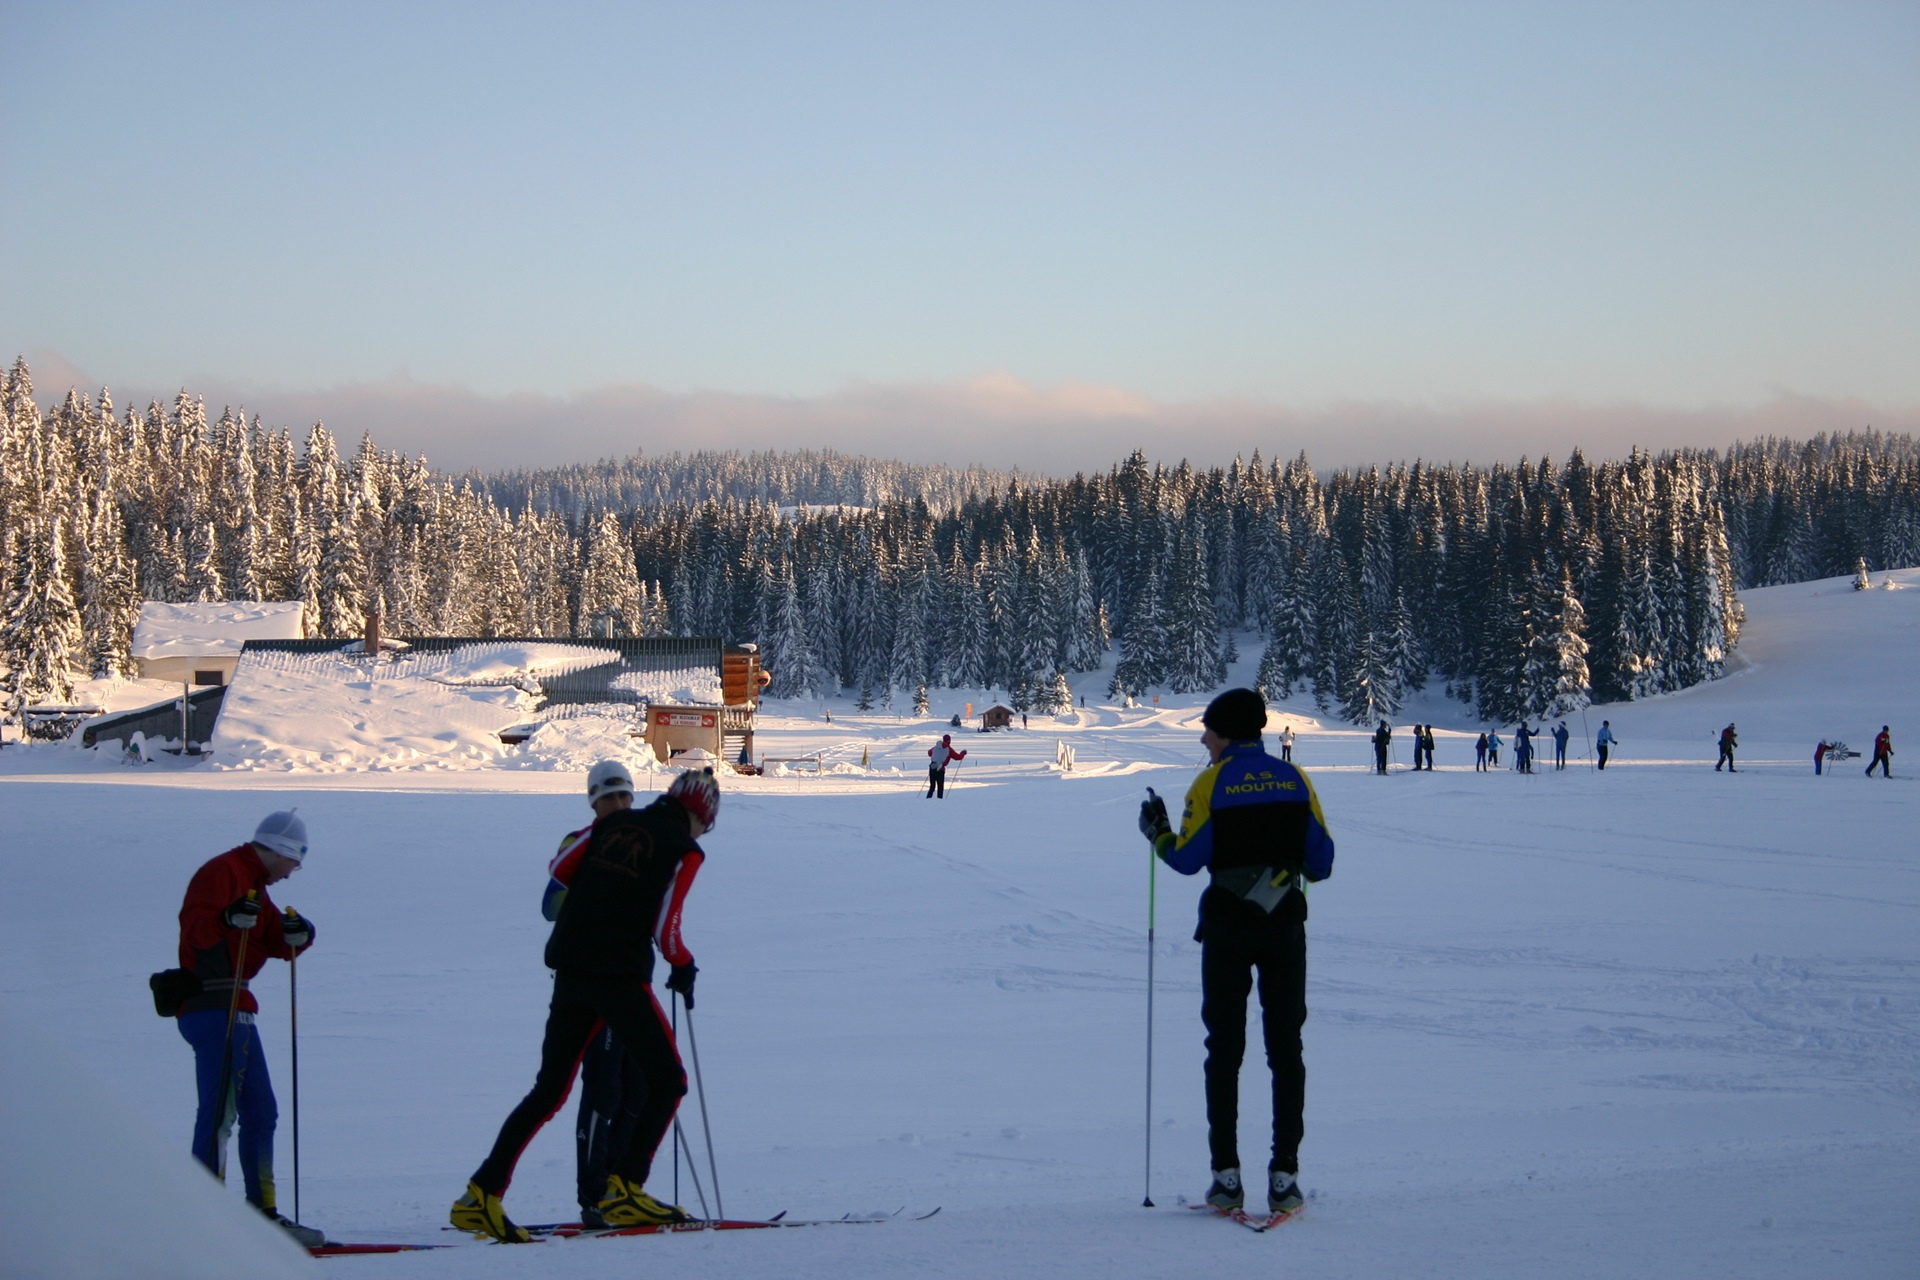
684, 720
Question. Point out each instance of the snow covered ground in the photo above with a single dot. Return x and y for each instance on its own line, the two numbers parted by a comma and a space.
1656, 1021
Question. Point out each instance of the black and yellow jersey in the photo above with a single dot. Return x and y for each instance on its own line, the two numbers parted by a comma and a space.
1251, 810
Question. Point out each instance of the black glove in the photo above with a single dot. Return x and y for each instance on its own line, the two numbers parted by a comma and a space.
243, 914
296, 929
1153, 818
681, 980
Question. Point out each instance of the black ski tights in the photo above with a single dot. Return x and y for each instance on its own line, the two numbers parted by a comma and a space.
580, 1005
1227, 960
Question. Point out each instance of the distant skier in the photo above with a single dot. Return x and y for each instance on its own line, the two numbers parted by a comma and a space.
1493, 749
1414, 733
1523, 749
1381, 737
1480, 749
1728, 741
1426, 744
227, 912
611, 1083
1254, 823
1603, 742
943, 753
624, 900
1286, 743
1882, 753
1560, 735
1819, 755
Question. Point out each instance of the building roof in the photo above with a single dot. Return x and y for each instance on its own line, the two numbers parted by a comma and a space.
208, 630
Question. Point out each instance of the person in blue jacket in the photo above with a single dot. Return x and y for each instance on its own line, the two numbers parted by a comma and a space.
1493, 749
1253, 823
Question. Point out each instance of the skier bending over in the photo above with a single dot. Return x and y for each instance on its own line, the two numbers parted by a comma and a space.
1603, 742
1254, 823
1728, 741
611, 1082
1882, 753
227, 902
625, 894
943, 752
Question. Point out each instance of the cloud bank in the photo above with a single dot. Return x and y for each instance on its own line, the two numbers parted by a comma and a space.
996, 420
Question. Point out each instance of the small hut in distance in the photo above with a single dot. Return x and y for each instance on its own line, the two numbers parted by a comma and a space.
996, 716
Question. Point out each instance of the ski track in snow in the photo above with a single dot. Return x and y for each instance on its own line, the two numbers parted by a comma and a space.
1654, 1022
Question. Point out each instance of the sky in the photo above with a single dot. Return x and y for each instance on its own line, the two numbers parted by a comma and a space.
1030, 235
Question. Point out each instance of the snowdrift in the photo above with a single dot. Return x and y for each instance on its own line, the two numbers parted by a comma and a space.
89, 1192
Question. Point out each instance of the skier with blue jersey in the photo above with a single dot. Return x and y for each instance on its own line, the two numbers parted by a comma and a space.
1254, 824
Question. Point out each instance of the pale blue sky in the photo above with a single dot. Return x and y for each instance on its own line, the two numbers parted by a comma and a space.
1667, 208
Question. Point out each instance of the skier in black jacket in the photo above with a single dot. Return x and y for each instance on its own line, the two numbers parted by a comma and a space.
1381, 737
624, 897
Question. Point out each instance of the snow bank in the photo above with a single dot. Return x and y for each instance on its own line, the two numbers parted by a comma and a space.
87, 1189
328, 712
201, 630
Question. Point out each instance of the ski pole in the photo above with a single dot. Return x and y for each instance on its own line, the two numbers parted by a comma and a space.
706, 1125
693, 1166
215, 1145
1153, 870
1586, 746
676, 1119
293, 1020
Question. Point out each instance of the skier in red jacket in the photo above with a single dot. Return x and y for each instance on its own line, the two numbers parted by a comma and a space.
227, 901
942, 752
1882, 753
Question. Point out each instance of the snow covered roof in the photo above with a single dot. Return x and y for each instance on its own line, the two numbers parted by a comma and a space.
202, 630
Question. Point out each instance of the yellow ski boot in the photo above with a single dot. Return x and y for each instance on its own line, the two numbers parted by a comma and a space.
626, 1205
482, 1213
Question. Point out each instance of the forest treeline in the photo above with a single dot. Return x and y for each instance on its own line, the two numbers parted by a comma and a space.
1525, 590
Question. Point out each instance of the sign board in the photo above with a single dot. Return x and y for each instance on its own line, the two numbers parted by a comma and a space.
684, 720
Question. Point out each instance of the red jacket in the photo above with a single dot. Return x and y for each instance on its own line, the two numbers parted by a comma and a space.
209, 947
1883, 744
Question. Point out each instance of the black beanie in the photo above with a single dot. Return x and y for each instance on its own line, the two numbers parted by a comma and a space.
1238, 715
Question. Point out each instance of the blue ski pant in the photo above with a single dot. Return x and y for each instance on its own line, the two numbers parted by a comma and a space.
248, 1098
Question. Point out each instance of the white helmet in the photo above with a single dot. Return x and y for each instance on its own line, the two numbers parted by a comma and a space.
608, 778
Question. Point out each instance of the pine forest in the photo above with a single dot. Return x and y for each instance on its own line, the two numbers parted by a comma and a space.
1523, 590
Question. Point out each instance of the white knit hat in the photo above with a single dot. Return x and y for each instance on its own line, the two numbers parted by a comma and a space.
284, 833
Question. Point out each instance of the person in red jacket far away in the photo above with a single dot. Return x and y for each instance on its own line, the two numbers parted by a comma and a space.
1882, 753
942, 753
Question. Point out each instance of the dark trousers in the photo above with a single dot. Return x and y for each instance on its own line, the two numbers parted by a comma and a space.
581, 1004
1228, 961
1559, 755
1286, 753
1726, 758
248, 1097
936, 783
1380, 756
1480, 760
611, 1088
1601, 751
1882, 762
